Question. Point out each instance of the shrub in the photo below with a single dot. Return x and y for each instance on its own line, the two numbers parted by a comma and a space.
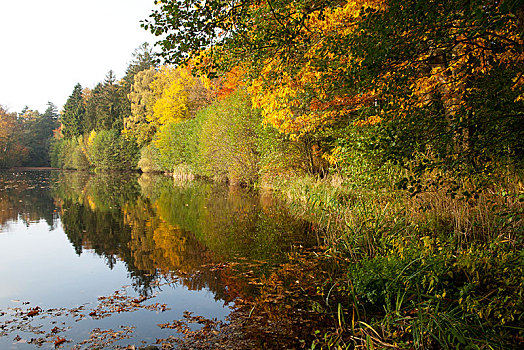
175, 145
149, 159
110, 150
228, 140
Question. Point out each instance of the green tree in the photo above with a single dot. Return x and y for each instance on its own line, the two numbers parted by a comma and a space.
73, 114
109, 150
140, 123
142, 59
106, 106
37, 134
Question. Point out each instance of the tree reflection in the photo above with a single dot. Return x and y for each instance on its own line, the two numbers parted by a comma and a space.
26, 196
158, 227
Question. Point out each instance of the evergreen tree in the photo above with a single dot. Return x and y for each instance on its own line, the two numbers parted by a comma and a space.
36, 132
51, 113
106, 106
73, 114
93, 106
142, 60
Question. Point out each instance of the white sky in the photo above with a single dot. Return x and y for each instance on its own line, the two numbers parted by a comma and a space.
48, 46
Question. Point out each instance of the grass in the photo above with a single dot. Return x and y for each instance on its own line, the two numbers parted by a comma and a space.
424, 272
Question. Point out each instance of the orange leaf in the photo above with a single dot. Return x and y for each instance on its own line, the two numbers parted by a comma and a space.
34, 312
59, 341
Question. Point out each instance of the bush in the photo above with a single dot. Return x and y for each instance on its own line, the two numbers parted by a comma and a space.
228, 140
55, 151
281, 157
175, 145
221, 142
110, 150
149, 159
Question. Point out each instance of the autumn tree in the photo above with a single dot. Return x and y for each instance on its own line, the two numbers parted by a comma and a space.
178, 94
12, 151
140, 124
447, 83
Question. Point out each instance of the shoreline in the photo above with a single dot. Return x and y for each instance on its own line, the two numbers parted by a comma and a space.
31, 168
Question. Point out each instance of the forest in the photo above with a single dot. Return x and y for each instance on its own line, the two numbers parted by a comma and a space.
397, 126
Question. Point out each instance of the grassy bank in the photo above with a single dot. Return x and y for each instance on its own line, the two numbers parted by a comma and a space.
399, 271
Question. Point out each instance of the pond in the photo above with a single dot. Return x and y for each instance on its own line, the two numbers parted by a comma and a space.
112, 260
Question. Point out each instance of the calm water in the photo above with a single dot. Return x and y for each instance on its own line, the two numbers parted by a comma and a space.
110, 255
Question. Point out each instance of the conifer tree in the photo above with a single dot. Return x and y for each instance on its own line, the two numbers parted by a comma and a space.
73, 114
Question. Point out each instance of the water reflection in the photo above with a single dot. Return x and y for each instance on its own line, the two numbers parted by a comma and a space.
157, 226
25, 196
182, 243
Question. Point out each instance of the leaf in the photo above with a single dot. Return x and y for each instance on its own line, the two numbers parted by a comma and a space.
59, 341
34, 312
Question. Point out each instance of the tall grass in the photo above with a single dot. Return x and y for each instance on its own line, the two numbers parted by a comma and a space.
426, 271
349, 215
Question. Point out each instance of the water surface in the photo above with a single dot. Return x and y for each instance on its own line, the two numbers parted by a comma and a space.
79, 248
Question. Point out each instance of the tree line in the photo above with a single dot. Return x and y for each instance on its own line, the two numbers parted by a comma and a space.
25, 137
428, 87
249, 90
431, 89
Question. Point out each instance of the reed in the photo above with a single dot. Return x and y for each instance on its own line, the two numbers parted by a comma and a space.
426, 271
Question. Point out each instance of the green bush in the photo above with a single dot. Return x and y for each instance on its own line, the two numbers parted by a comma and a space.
174, 145
109, 150
430, 293
69, 154
149, 159
221, 143
55, 151
79, 159
281, 157
228, 140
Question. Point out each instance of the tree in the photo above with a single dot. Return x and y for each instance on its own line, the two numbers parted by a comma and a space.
51, 113
447, 83
142, 60
36, 133
108, 149
46, 125
12, 151
140, 123
177, 95
73, 114
236, 30
106, 106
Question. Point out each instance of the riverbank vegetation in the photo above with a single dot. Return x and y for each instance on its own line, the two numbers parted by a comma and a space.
397, 126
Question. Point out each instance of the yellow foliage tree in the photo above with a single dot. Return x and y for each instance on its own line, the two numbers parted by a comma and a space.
300, 102
178, 95
140, 124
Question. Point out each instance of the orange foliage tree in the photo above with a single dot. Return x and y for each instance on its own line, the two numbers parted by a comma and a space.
12, 151
430, 84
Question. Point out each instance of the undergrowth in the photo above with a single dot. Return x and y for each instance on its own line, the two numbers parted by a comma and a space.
407, 272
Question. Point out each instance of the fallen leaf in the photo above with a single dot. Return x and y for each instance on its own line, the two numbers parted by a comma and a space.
34, 312
59, 341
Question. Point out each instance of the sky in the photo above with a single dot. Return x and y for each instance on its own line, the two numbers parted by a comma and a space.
48, 46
